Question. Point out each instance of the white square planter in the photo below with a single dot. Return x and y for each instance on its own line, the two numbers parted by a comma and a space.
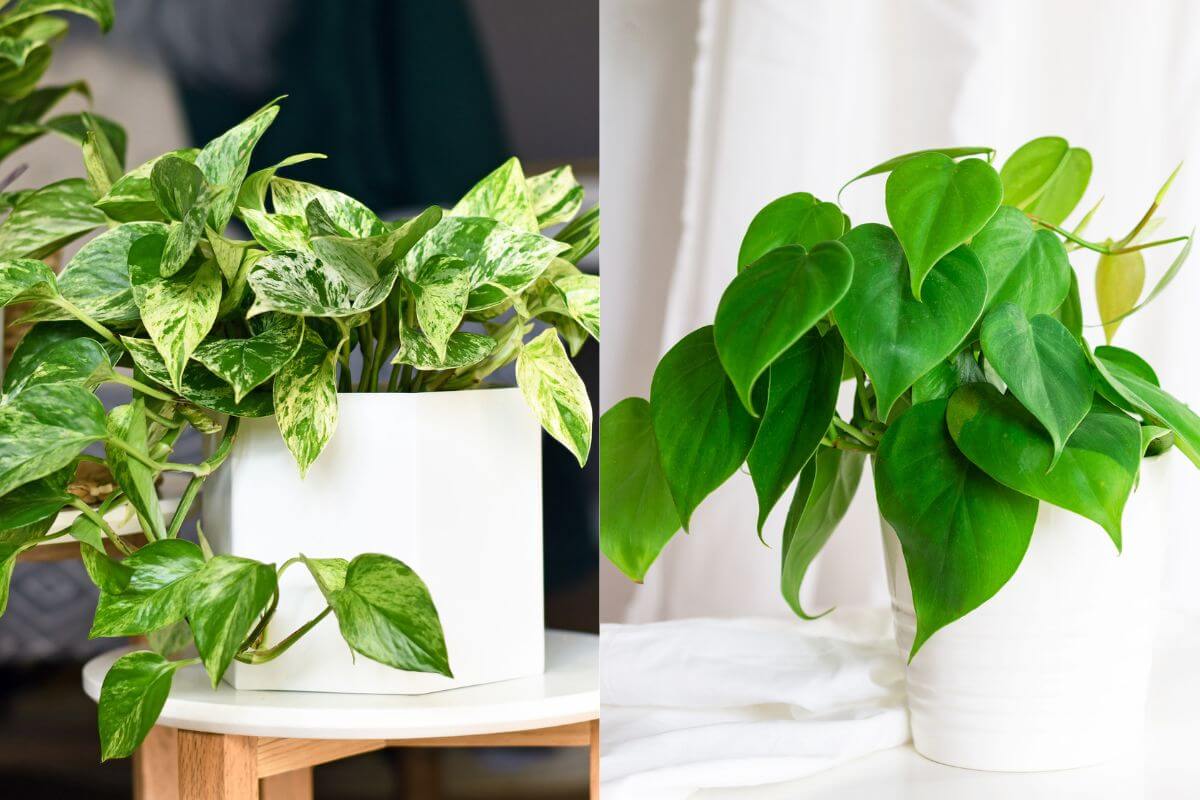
447, 482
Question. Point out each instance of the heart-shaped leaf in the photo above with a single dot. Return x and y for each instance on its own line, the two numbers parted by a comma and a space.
253, 193
801, 395
176, 184
462, 350
963, 534
225, 599
1070, 313
941, 381
1023, 266
503, 195
306, 404
637, 514
827, 485
79, 362
556, 393
895, 337
1143, 394
440, 288
128, 424
1047, 178
582, 295
1119, 282
224, 162
1043, 365
796, 218
131, 698
384, 611
704, 433
49, 218
198, 386
179, 310
769, 306
132, 197
935, 205
895, 161
1092, 477
43, 429
295, 198
23, 280
36, 353
157, 592
246, 364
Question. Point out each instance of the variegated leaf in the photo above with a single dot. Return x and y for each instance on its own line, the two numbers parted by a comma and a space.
582, 294
556, 393
25, 279
504, 260
131, 198
224, 162
199, 385
228, 254
248, 363
183, 236
43, 429
332, 280
582, 235
127, 423
306, 404
48, 218
556, 196
253, 194
100, 11
80, 362
293, 198
177, 183
462, 350
440, 289
99, 159
177, 311
503, 195
276, 231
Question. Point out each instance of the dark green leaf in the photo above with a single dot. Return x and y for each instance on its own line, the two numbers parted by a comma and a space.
23, 280
246, 364
36, 346
79, 362
941, 381
199, 385
176, 183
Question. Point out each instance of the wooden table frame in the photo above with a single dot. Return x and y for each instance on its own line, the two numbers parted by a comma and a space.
190, 765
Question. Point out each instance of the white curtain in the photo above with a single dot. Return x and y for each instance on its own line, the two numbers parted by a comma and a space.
798, 95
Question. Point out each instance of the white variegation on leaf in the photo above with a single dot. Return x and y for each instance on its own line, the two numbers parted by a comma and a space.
503, 195
228, 253
293, 198
253, 194
177, 311
248, 363
462, 350
556, 393
277, 231
332, 280
131, 198
306, 405
582, 294
441, 288
43, 429
224, 162
23, 280
48, 218
556, 196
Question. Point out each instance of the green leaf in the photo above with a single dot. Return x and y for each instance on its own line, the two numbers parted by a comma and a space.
246, 364
1138, 390
158, 593
332, 280
581, 236
306, 405
462, 350
176, 183
1023, 266
228, 253
769, 306
704, 433
1043, 365
555, 392
23, 508
99, 158
178, 310
440, 289
1029, 169
131, 198
556, 196
794, 219
36, 355
1119, 282
199, 386
385, 612
1163, 282
801, 395
182, 237
935, 205
504, 260
97, 278
892, 163
502, 196
827, 485
294, 198
100, 11
131, 698
170, 640
963, 534
9, 552
108, 574
128, 424
1092, 477
23, 280
582, 295
895, 337
637, 514
46, 219
941, 381
1065, 188
16, 50
224, 162
76, 127
225, 599
43, 429
276, 231
253, 194
1070, 313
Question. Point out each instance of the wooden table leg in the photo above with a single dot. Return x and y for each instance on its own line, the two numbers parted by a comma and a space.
214, 766
594, 748
294, 785
156, 766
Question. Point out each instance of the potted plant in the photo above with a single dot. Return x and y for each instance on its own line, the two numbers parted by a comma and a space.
298, 324
1004, 446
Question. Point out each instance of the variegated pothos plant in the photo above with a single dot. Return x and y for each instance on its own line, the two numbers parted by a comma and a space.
206, 327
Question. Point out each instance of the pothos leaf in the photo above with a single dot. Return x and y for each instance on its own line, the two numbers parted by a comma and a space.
224, 162
440, 289
131, 698
332, 280
504, 196
131, 198
25, 279
253, 194
582, 295
225, 599
462, 350
127, 424
48, 218
199, 386
306, 405
796, 219
556, 196
43, 429
79, 362
248, 363
293, 199
1119, 282
556, 393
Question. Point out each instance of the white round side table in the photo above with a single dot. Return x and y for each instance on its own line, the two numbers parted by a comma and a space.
224, 743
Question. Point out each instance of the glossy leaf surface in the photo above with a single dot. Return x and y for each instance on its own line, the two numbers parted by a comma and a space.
556, 393
797, 218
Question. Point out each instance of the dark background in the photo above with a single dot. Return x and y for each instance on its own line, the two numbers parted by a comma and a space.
413, 101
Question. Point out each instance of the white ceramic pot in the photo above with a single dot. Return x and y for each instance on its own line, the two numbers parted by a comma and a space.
447, 482
1052, 672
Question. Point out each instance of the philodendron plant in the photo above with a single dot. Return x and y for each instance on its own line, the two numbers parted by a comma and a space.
213, 328
975, 393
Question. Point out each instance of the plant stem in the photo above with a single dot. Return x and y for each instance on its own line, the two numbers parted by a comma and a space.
159, 466
263, 656
138, 386
103, 525
1104, 249
381, 349
77, 312
170, 424
851, 431
224, 447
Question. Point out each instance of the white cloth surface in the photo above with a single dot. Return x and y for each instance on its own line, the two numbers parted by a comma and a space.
720, 703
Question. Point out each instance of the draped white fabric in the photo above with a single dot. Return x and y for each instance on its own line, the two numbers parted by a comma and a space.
798, 95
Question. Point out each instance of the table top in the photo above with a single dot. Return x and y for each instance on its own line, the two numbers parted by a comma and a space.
1168, 767
568, 692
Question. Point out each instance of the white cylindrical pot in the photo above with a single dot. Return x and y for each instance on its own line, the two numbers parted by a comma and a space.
447, 482
1052, 672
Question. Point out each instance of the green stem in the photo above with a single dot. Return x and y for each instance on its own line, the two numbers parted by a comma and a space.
170, 424
103, 525
852, 431
1104, 249
138, 386
78, 313
381, 350
159, 466
366, 346
263, 656
224, 447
